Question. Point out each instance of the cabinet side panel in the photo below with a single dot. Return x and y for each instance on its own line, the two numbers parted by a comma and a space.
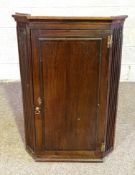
115, 65
23, 34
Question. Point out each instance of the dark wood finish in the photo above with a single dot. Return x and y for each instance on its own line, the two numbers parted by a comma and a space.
114, 75
70, 75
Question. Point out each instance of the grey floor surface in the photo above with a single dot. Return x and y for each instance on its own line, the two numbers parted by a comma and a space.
14, 160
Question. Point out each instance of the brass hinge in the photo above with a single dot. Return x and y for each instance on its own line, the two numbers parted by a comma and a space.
109, 41
102, 148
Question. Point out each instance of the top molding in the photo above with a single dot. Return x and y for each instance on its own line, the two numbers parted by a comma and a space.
21, 17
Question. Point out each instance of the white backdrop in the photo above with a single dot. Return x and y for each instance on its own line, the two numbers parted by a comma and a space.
9, 68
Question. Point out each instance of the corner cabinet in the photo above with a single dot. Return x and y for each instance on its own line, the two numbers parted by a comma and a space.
70, 69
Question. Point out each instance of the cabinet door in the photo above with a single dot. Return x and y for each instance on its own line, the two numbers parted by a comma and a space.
70, 90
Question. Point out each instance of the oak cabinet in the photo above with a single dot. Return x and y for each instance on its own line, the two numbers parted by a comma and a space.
70, 69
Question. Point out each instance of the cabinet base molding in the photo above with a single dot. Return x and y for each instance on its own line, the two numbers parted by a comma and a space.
79, 156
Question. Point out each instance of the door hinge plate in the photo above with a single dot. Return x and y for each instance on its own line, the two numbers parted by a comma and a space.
109, 41
102, 148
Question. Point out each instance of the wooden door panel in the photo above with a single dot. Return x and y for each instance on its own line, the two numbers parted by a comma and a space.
70, 80
67, 79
